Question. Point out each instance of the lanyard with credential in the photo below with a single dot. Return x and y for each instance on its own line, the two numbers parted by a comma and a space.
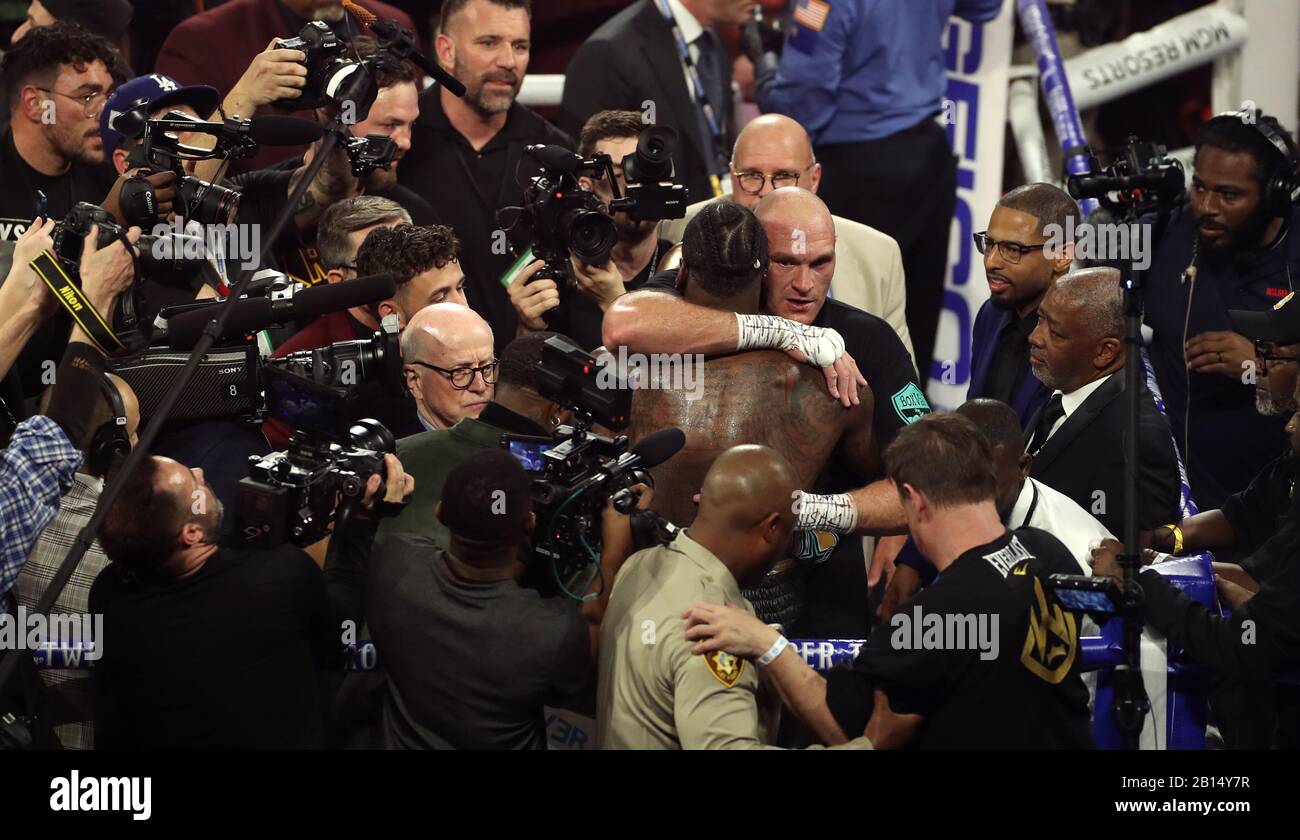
701, 97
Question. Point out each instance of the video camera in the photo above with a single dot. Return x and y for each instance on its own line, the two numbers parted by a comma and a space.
578, 472
292, 495
1141, 178
565, 219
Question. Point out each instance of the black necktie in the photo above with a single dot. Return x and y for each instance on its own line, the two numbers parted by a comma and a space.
1053, 412
709, 66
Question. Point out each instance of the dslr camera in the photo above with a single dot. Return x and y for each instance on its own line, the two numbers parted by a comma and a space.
565, 219
579, 471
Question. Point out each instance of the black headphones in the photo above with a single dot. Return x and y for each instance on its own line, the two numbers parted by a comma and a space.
111, 440
1282, 184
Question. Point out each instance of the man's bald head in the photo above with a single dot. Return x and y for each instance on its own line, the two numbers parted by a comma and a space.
794, 208
1079, 337
748, 497
772, 145
448, 336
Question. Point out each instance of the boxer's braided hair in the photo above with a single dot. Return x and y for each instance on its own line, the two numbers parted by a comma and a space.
724, 249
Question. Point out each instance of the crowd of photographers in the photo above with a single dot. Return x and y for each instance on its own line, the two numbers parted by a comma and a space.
399, 438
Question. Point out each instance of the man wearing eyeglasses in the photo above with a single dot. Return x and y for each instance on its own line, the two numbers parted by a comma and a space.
56, 81
772, 152
1020, 269
449, 364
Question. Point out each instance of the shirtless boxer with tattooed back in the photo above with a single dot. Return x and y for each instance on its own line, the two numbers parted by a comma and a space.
762, 397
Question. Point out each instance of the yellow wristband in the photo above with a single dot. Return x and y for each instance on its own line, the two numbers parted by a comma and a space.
1178, 537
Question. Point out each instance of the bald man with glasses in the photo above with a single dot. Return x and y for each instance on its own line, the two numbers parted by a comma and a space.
449, 365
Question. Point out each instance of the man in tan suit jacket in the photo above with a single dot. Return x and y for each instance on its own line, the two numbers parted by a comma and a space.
868, 264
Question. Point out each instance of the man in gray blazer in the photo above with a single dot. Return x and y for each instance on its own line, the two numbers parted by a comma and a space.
774, 151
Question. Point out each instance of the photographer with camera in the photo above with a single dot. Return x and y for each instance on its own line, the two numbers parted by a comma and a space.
466, 153
242, 29
37, 467
517, 407
1227, 248
182, 669
632, 259
472, 655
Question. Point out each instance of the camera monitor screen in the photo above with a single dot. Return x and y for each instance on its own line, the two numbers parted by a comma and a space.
303, 404
530, 452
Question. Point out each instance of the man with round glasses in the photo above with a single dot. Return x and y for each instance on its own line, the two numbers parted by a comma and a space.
773, 152
1020, 268
449, 364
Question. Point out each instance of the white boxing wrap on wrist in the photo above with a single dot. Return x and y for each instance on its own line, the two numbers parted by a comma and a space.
835, 512
821, 346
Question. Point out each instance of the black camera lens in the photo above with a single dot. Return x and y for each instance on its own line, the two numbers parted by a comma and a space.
372, 435
590, 236
653, 159
207, 203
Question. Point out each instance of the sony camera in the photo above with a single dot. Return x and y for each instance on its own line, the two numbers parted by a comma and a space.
578, 472
564, 219
295, 494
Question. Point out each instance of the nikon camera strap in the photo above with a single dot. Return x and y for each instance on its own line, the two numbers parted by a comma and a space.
79, 307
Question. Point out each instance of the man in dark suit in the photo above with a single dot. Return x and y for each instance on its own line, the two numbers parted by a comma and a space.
467, 154
1020, 268
216, 47
1077, 439
632, 63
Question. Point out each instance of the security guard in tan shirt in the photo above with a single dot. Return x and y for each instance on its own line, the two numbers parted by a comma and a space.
653, 693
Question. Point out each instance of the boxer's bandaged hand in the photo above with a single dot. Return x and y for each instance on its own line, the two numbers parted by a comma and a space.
821, 346
835, 512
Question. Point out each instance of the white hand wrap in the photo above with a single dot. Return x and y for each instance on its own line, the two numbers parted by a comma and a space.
821, 346
835, 513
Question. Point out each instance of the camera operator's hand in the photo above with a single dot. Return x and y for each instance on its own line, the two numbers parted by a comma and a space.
23, 291
716, 627
394, 490
272, 75
532, 300
107, 272
164, 189
601, 283
1220, 351
616, 528
1105, 560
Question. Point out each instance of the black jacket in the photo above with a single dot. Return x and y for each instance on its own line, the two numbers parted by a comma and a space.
630, 60
1086, 457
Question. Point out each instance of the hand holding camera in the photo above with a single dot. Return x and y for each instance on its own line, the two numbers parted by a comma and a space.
109, 271
602, 283
531, 298
23, 288
392, 487
275, 73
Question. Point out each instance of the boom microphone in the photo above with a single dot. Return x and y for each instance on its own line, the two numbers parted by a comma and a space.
252, 314
556, 158
657, 447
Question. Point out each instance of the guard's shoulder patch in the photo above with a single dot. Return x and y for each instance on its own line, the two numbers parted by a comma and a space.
724, 667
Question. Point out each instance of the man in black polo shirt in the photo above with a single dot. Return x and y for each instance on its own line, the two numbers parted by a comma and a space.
985, 658
467, 155
1227, 248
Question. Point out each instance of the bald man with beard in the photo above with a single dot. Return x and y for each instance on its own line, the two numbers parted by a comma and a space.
653, 693
772, 152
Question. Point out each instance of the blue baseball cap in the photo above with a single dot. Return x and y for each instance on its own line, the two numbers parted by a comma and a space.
157, 91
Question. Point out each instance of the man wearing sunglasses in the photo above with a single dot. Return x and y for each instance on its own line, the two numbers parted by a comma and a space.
1020, 268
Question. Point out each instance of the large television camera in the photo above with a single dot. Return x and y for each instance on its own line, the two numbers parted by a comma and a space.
579, 471
565, 219
294, 495
1142, 177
